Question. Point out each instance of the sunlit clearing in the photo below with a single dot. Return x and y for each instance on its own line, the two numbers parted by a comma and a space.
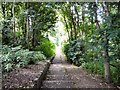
58, 52
60, 37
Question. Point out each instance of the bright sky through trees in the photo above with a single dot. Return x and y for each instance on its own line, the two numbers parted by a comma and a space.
61, 35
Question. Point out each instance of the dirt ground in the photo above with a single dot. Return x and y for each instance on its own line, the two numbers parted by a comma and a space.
64, 75
23, 77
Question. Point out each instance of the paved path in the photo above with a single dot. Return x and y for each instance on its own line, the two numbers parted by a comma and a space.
64, 75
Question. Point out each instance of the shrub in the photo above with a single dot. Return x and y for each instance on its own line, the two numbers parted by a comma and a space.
74, 51
5, 49
98, 68
94, 66
17, 57
47, 47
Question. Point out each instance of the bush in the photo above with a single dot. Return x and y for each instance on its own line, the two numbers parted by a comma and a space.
47, 47
115, 71
94, 67
65, 50
5, 49
17, 57
74, 51
98, 68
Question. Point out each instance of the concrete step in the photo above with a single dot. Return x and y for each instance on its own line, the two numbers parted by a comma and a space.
58, 84
56, 72
57, 77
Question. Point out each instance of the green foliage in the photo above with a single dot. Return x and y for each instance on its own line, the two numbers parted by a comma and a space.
19, 22
101, 36
17, 57
33, 20
74, 51
98, 68
47, 47
94, 67
115, 74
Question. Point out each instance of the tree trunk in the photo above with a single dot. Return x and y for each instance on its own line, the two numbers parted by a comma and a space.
96, 16
3, 11
23, 33
74, 25
107, 69
78, 26
119, 33
1, 24
33, 40
33, 36
73, 22
83, 20
27, 27
27, 37
119, 8
71, 32
69, 23
14, 32
106, 59
106, 41
66, 26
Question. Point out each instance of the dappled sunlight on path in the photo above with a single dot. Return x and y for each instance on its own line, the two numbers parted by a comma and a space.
64, 75
58, 53
59, 56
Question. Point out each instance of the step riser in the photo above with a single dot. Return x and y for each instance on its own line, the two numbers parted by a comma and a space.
53, 77
58, 84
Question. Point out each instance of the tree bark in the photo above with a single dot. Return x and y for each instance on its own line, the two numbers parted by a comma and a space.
66, 26
33, 36
74, 26
1, 24
106, 41
71, 32
27, 27
106, 59
73, 22
119, 8
83, 20
70, 23
78, 26
3, 11
14, 31
96, 16
33, 40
